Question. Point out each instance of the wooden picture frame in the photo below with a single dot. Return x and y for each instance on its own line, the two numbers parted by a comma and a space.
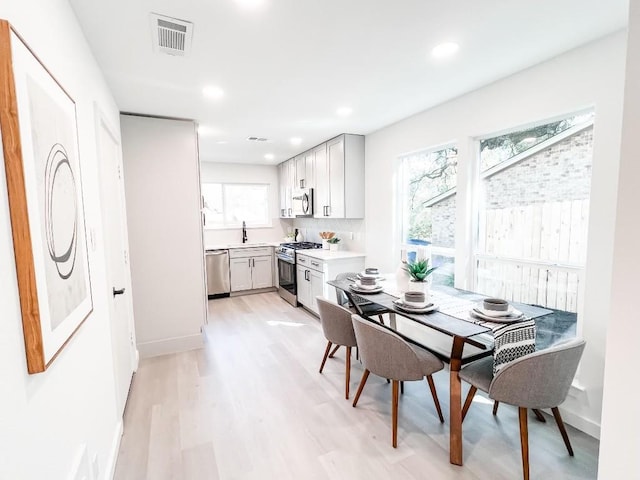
38, 127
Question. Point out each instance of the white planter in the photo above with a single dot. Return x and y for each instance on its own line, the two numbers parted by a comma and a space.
419, 287
334, 247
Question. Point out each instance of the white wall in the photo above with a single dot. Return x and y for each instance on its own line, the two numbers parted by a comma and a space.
620, 440
349, 231
46, 418
239, 173
589, 76
161, 177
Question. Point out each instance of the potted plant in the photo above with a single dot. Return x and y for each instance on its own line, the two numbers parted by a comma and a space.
333, 243
419, 272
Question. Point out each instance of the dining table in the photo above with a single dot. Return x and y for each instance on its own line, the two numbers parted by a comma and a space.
449, 331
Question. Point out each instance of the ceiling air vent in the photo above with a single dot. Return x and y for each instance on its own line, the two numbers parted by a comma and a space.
257, 139
171, 35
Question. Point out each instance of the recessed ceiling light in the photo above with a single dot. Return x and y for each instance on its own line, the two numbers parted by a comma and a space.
344, 111
212, 91
250, 4
269, 156
295, 141
445, 49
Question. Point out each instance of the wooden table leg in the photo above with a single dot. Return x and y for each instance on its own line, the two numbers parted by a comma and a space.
455, 403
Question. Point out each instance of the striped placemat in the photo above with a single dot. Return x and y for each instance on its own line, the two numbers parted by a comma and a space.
511, 340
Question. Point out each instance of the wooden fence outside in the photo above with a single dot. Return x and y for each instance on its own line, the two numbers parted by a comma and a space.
534, 253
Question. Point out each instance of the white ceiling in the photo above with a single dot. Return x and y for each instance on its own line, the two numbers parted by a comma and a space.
286, 66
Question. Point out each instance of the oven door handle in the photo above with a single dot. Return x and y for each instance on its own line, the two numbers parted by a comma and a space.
286, 259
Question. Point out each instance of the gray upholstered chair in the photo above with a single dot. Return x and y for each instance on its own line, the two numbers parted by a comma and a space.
538, 380
338, 330
388, 355
367, 307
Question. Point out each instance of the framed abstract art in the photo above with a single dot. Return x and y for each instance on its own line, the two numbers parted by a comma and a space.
40, 149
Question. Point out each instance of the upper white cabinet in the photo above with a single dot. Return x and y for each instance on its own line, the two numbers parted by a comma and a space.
335, 170
305, 168
287, 179
340, 178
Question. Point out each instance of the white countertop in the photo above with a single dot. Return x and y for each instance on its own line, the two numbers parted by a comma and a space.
227, 246
328, 255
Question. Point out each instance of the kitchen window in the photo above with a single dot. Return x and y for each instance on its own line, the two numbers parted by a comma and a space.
428, 205
227, 205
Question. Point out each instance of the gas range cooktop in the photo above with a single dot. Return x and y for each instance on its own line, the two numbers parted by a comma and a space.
288, 250
301, 245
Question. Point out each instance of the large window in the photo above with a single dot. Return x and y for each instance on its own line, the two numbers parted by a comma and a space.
534, 207
428, 206
227, 205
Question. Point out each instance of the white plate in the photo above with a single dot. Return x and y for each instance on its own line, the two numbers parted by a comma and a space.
370, 275
406, 308
502, 319
357, 289
509, 312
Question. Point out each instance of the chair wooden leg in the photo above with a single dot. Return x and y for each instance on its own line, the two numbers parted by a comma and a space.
347, 373
524, 441
539, 415
434, 394
563, 430
363, 380
467, 402
394, 413
333, 352
496, 404
326, 354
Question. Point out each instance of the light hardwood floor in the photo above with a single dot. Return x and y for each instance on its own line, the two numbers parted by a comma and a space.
252, 405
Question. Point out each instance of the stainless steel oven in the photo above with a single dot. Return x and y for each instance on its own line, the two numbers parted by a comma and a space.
286, 255
287, 278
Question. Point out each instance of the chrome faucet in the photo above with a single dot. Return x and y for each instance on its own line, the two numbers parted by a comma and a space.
244, 232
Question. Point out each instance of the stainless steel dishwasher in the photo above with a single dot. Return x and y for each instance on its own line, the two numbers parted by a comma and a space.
217, 262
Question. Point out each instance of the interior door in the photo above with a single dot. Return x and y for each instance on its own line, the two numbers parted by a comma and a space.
119, 294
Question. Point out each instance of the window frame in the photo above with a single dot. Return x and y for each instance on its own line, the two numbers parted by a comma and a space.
235, 225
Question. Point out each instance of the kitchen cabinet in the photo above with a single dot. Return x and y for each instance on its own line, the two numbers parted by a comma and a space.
286, 174
312, 274
305, 170
309, 285
250, 268
339, 178
310, 282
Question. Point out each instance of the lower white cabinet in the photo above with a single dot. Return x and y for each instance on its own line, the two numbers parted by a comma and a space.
310, 283
313, 273
250, 268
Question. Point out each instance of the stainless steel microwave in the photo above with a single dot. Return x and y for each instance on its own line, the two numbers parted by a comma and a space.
303, 202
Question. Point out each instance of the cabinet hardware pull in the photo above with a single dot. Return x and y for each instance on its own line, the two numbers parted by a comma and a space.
118, 292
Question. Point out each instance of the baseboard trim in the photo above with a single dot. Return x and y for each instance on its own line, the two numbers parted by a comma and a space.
170, 345
583, 424
110, 469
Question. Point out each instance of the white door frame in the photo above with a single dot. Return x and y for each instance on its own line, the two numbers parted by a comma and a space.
102, 123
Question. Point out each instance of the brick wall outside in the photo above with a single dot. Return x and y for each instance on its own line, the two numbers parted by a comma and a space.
560, 172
